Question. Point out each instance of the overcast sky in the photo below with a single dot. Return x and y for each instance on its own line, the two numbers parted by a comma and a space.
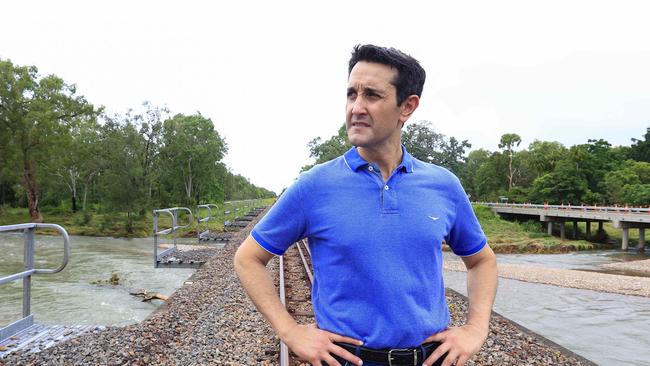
272, 75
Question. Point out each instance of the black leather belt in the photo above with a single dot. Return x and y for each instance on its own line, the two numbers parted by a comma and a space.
395, 356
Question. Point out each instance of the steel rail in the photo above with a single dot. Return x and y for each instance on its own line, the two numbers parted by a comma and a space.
304, 261
284, 350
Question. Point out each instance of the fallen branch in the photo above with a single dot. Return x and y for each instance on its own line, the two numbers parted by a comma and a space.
148, 296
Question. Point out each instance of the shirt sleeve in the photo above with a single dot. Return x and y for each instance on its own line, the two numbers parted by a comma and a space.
466, 236
284, 224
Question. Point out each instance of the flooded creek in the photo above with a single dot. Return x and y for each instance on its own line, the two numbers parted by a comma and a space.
608, 329
79, 294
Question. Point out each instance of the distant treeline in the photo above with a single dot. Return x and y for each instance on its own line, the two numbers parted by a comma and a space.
591, 173
57, 149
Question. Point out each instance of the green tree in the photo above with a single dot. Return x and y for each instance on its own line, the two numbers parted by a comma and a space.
637, 194
490, 179
641, 169
421, 141
324, 151
81, 162
191, 151
640, 149
507, 143
150, 126
120, 180
424, 143
564, 185
472, 182
36, 114
616, 181
544, 156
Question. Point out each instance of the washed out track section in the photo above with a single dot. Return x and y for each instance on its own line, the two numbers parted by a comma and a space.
189, 256
207, 321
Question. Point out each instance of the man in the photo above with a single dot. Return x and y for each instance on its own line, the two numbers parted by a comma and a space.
375, 219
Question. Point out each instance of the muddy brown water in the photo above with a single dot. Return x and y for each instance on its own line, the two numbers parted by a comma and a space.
79, 294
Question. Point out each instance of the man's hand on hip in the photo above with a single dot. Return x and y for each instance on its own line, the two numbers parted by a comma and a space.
460, 343
316, 345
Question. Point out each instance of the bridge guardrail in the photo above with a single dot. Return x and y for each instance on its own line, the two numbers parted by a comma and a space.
592, 208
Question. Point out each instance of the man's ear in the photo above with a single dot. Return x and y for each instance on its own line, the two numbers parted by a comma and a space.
408, 107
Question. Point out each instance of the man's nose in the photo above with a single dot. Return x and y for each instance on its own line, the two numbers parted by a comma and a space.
359, 106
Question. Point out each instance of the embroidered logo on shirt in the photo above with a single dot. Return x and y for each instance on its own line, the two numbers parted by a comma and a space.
434, 218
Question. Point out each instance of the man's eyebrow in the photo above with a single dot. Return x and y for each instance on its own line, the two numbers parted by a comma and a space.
371, 90
366, 90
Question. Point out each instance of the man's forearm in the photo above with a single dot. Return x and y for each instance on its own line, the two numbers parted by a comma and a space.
260, 288
481, 290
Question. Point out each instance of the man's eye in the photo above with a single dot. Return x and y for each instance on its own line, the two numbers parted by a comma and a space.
352, 95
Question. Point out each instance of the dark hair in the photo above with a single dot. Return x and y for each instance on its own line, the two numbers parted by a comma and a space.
410, 75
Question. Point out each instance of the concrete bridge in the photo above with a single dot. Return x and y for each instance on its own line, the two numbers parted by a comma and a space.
624, 218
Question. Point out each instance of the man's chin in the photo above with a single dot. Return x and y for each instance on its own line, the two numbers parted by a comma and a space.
356, 140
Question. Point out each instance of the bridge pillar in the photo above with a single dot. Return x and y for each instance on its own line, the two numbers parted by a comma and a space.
641, 246
588, 229
626, 238
562, 231
600, 227
575, 230
549, 228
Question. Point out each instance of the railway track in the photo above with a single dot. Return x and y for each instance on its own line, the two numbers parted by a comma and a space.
295, 284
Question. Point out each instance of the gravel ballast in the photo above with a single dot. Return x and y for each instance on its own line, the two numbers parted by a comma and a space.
603, 282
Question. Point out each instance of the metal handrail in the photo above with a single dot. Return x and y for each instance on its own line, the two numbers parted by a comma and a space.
208, 215
28, 262
593, 208
238, 208
173, 212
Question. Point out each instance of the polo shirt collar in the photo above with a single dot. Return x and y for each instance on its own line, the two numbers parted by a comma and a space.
356, 162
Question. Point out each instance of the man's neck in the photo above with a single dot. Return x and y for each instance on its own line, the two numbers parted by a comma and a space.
386, 157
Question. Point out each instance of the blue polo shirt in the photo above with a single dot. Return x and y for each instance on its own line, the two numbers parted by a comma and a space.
376, 246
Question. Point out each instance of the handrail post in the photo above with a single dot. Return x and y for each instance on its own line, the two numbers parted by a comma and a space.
155, 238
174, 225
28, 261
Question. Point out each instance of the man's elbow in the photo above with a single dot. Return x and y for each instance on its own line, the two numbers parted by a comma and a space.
239, 261
484, 259
248, 256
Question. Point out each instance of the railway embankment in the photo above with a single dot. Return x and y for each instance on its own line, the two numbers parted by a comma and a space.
209, 320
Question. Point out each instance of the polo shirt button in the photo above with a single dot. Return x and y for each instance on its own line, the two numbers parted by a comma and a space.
371, 169
386, 188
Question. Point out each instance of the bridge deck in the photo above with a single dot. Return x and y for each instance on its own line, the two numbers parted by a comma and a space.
578, 213
623, 218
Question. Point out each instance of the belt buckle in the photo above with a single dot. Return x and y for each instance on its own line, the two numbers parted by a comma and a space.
390, 355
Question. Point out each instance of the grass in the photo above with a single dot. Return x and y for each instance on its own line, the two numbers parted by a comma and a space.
96, 223
525, 237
